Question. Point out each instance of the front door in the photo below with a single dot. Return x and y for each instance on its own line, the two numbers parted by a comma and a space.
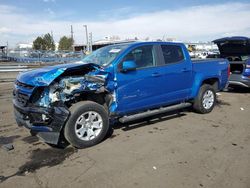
139, 89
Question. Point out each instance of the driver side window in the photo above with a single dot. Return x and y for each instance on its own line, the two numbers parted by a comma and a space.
143, 56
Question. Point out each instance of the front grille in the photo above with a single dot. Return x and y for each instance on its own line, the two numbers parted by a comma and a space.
21, 98
23, 85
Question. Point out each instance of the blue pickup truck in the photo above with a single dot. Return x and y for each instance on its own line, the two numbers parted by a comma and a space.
122, 82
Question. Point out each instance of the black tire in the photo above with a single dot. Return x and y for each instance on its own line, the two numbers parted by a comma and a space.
75, 112
198, 102
33, 133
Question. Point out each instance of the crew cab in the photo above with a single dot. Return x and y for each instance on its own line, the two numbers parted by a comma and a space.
237, 51
122, 82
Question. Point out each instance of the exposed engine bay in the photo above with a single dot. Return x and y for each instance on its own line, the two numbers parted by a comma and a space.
72, 89
69, 88
45, 107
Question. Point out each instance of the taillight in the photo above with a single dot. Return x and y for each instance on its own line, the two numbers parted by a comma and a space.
228, 70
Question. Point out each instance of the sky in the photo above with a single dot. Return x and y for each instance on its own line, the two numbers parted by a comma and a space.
21, 21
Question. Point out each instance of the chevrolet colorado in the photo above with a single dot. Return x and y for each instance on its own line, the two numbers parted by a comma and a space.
122, 82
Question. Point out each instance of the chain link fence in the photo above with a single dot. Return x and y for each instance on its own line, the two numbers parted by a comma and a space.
35, 56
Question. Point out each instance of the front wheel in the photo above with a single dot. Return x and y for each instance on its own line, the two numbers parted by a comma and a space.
205, 101
87, 125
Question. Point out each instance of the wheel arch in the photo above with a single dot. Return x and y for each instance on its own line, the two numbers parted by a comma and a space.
102, 98
199, 81
214, 82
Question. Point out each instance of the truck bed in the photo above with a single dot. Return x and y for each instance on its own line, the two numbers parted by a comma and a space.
211, 67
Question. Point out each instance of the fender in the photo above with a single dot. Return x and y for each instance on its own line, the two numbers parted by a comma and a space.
199, 79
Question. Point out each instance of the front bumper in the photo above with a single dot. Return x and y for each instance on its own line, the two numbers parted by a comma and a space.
239, 80
47, 128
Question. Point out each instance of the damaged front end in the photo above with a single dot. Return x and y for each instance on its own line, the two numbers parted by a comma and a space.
42, 98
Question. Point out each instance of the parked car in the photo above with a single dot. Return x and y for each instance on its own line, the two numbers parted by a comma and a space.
122, 82
237, 51
202, 55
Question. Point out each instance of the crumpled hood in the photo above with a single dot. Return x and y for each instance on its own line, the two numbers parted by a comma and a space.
46, 75
233, 46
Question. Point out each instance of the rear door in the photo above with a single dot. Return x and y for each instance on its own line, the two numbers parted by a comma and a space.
176, 68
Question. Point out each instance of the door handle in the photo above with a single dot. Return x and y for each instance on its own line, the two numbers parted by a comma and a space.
184, 70
156, 74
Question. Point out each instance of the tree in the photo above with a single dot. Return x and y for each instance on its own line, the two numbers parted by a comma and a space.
49, 42
65, 43
38, 44
45, 42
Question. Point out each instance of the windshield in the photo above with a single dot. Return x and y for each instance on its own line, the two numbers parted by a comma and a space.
105, 55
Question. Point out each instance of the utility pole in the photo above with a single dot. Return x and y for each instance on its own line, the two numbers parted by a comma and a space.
72, 33
51, 33
90, 42
87, 38
7, 49
72, 37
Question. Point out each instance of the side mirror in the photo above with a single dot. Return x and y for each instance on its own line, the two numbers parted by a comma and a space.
128, 66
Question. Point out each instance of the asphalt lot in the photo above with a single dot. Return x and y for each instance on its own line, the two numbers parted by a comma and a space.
175, 150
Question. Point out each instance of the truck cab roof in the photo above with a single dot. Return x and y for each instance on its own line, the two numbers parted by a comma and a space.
130, 44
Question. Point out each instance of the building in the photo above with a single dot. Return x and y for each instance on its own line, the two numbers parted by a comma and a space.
103, 42
202, 46
3, 53
24, 46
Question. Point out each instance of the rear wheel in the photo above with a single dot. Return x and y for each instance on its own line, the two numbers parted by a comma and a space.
87, 125
205, 101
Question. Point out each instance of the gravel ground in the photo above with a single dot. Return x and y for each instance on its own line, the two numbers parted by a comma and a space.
175, 150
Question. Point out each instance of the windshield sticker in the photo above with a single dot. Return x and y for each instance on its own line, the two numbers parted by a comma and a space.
114, 50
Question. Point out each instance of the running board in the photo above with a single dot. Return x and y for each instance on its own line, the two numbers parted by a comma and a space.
148, 113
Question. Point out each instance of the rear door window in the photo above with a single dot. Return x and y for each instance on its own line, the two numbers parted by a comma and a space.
172, 53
